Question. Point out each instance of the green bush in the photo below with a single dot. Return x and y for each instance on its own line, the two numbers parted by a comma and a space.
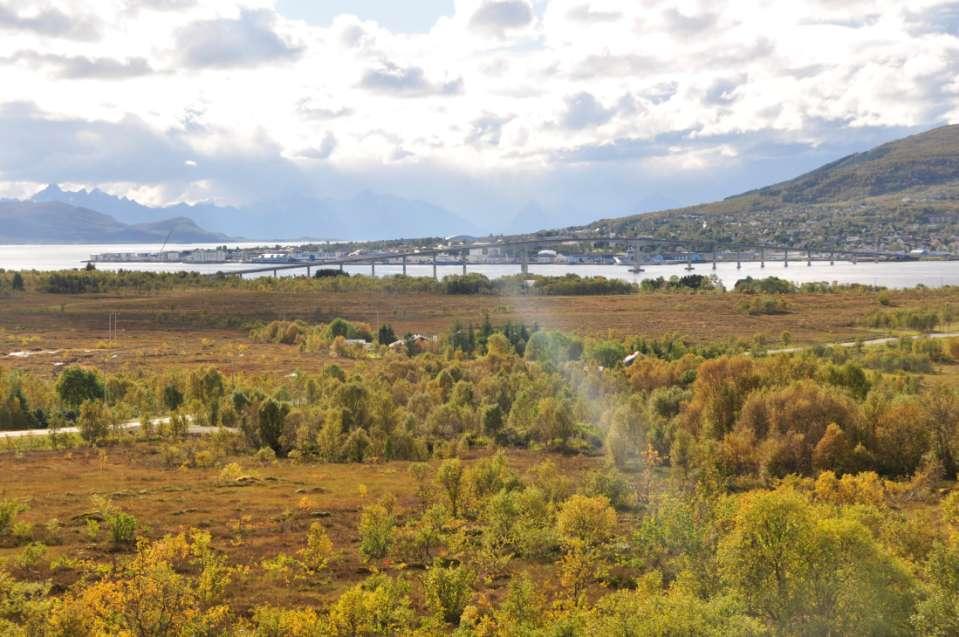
76, 385
607, 354
769, 285
94, 422
448, 591
9, 510
123, 528
376, 531
765, 305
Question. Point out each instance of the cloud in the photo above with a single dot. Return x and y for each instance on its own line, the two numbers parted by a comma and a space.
617, 150
487, 130
49, 22
687, 25
497, 17
43, 148
723, 91
592, 95
75, 67
609, 65
323, 151
161, 5
585, 111
938, 19
308, 110
661, 92
585, 13
738, 53
391, 79
399, 154
247, 41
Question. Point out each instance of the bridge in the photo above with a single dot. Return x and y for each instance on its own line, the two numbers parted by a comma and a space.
520, 249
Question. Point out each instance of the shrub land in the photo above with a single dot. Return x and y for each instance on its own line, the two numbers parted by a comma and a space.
497, 476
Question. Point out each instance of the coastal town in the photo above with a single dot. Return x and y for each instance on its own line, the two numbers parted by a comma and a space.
459, 251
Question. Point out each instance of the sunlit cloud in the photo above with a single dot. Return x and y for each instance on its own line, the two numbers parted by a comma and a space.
484, 114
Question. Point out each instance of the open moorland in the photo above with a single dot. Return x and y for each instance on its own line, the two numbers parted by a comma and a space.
208, 325
357, 457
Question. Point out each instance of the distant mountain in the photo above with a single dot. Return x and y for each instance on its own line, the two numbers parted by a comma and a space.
128, 211
901, 195
181, 230
367, 215
56, 222
371, 215
534, 217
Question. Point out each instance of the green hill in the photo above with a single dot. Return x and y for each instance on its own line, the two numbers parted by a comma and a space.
899, 196
925, 160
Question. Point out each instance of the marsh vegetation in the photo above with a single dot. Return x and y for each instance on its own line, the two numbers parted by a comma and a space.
497, 476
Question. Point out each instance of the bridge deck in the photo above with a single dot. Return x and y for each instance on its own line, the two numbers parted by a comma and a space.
691, 246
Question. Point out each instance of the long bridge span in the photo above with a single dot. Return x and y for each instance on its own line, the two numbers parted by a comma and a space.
520, 248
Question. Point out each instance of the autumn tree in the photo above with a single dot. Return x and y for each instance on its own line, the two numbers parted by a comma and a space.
271, 419
554, 423
450, 479
806, 573
207, 386
942, 418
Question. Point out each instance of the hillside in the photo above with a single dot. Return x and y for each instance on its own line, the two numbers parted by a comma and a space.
55, 222
899, 196
924, 160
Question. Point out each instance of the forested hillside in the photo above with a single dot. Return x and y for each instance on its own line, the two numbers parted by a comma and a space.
900, 196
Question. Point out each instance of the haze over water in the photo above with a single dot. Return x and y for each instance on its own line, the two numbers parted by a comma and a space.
892, 275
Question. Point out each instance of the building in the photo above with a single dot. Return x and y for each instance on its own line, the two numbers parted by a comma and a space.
204, 256
546, 256
272, 257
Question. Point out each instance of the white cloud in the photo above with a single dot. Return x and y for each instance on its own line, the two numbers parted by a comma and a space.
48, 21
499, 17
248, 40
508, 92
323, 151
76, 67
391, 79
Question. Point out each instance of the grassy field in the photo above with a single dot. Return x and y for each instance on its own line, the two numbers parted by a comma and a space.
198, 327
250, 520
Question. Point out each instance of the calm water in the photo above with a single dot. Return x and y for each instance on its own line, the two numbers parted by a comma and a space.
893, 275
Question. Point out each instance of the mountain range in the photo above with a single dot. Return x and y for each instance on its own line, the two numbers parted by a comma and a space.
367, 215
901, 195
57, 222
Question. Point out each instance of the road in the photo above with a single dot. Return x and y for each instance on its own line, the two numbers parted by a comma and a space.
128, 425
870, 343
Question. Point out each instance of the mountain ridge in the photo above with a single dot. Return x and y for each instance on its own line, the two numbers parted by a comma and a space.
54, 222
366, 215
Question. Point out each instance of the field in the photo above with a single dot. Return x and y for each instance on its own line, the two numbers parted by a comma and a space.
251, 520
519, 478
209, 326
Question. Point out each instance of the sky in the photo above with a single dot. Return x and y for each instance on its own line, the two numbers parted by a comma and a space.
560, 110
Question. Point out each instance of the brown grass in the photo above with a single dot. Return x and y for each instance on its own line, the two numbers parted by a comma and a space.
60, 484
191, 327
